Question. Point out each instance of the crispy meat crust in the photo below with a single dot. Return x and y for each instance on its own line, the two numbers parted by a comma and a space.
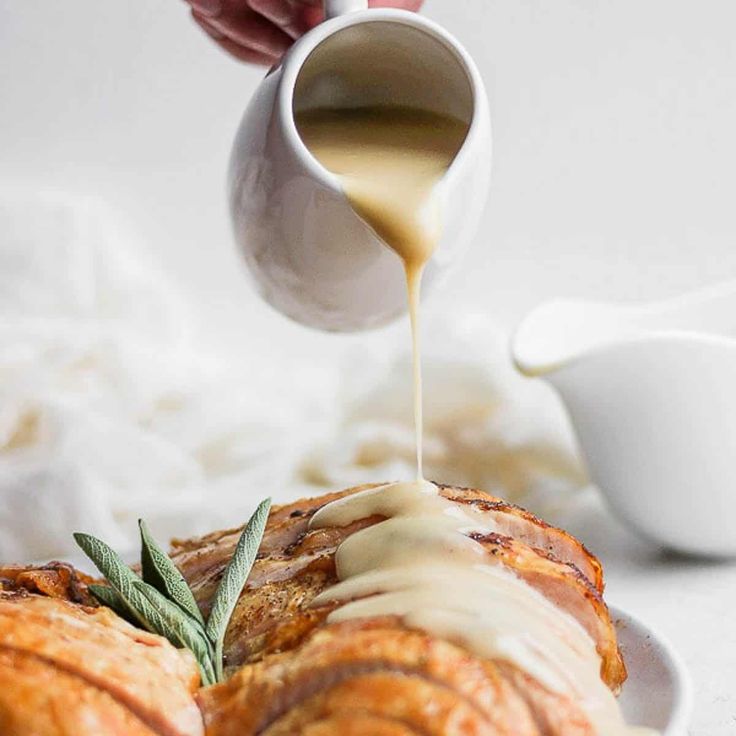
102, 673
295, 564
304, 676
54, 579
376, 669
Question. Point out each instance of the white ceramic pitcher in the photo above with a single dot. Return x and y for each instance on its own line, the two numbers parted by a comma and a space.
311, 256
651, 391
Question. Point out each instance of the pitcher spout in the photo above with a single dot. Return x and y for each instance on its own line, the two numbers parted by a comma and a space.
562, 331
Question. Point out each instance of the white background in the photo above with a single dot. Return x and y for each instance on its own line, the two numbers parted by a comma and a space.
613, 177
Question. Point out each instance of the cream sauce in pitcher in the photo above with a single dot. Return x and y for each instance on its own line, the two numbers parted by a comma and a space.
420, 563
389, 161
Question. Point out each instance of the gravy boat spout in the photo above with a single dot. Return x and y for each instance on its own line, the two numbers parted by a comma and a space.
651, 391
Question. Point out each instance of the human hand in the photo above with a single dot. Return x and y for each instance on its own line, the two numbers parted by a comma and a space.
260, 31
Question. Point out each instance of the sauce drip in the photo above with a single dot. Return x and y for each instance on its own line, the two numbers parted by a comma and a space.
389, 160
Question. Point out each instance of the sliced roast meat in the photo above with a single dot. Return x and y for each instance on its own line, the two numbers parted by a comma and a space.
100, 658
378, 669
295, 564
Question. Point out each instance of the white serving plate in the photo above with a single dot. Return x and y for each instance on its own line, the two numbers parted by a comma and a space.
658, 691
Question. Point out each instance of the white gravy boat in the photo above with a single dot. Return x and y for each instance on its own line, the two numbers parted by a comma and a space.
311, 256
651, 391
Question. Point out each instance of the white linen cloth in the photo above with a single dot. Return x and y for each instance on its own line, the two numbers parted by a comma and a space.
108, 411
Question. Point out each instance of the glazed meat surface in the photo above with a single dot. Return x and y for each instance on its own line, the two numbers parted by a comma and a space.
382, 673
67, 668
305, 676
55, 580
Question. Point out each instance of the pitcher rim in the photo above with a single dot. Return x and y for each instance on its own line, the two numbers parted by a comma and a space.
303, 48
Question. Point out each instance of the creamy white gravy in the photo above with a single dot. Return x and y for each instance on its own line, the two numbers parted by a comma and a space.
420, 564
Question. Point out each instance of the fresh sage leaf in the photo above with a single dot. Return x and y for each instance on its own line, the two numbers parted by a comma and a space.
109, 597
233, 580
160, 572
163, 603
117, 573
182, 631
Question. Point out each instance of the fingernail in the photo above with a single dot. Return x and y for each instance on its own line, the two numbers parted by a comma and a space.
207, 28
208, 8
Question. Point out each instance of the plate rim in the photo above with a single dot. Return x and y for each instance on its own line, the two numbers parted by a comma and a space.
682, 709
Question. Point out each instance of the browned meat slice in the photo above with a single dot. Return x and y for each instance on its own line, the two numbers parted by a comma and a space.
277, 616
374, 670
354, 724
288, 526
36, 697
100, 659
430, 708
513, 521
571, 591
295, 564
551, 714
55, 579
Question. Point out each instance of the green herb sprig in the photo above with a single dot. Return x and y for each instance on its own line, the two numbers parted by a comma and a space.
162, 602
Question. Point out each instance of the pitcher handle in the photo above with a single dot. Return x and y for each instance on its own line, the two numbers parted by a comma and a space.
333, 8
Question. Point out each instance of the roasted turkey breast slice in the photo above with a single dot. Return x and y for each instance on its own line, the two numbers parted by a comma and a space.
292, 520
553, 715
206, 556
275, 615
569, 590
296, 563
428, 707
513, 521
353, 724
141, 672
39, 699
54, 579
376, 668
